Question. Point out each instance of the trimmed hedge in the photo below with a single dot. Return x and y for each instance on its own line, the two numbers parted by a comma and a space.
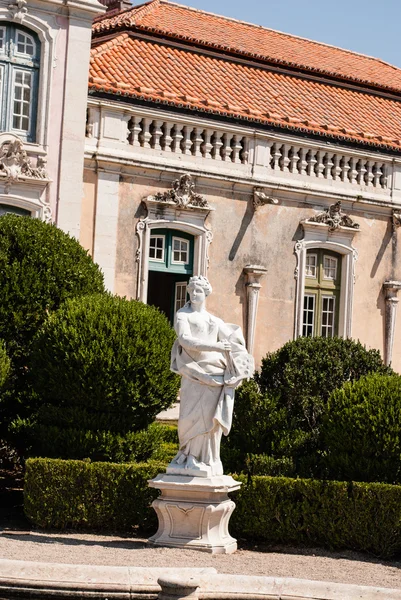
83, 495
277, 510
333, 514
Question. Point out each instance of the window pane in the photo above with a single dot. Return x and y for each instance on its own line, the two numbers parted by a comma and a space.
311, 263
180, 295
329, 267
308, 315
1, 91
180, 251
2, 39
328, 308
156, 247
25, 44
22, 100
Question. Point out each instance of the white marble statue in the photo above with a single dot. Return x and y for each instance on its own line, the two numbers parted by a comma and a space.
211, 358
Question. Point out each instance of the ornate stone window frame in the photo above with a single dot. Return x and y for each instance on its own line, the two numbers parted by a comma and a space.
178, 209
339, 240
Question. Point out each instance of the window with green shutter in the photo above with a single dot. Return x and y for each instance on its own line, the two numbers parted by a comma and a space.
322, 293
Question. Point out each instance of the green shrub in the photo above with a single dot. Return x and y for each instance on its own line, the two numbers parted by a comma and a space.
101, 368
277, 510
280, 412
76, 442
362, 430
79, 494
40, 267
360, 516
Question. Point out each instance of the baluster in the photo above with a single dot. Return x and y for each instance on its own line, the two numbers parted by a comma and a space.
186, 142
361, 170
293, 158
236, 149
344, 165
157, 135
285, 159
146, 135
276, 156
167, 138
217, 144
197, 141
353, 172
135, 130
226, 150
376, 171
244, 153
319, 167
336, 169
207, 146
369, 175
302, 162
176, 146
311, 162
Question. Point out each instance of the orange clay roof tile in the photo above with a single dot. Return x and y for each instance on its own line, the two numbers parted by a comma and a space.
221, 33
161, 73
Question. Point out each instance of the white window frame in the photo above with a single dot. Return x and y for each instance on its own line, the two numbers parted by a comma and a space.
179, 285
32, 41
315, 257
336, 267
155, 237
18, 69
317, 235
314, 296
330, 297
179, 262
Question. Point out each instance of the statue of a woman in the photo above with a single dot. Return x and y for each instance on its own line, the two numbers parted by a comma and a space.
211, 358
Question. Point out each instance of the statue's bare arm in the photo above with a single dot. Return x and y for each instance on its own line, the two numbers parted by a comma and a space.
189, 342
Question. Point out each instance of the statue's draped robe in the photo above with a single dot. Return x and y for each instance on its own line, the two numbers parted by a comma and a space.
206, 402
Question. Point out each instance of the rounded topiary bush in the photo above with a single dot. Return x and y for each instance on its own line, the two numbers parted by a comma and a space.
40, 267
361, 430
279, 414
5, 364
100, 364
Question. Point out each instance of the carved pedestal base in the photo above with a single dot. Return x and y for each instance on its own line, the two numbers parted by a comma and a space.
194, 512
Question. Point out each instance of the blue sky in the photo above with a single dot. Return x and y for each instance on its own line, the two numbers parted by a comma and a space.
365, 26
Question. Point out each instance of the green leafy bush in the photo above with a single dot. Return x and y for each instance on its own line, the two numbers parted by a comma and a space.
362, 430
101, 368
360, 516
277, 510
5, 364
80, 494
40, 267
280, 412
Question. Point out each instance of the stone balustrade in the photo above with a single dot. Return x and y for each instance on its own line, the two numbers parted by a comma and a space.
229, 150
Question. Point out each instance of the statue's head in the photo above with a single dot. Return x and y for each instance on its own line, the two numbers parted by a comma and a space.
199, 280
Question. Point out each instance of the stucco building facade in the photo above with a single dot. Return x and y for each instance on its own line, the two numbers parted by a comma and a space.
269, 163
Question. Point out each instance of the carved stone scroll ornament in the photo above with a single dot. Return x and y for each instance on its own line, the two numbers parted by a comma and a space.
334, 217
260, 198
182, 194
396, 218
15, 164
18, 9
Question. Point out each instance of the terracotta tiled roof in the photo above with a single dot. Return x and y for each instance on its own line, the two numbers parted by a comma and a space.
161, 73
224, 34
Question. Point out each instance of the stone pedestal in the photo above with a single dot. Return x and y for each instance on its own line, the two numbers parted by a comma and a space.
194, 512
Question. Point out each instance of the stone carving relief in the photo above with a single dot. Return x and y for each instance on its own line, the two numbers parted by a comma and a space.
182, 194
396, 218
18, 10
260, 198
334, 217
15, 163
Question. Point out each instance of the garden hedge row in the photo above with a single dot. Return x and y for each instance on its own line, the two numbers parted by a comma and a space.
276, 510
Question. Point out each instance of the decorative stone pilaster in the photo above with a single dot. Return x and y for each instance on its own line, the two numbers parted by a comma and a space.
391, 289
194, 512
253, 274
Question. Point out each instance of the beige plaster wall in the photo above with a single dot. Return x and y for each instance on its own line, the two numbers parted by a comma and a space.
266, 237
